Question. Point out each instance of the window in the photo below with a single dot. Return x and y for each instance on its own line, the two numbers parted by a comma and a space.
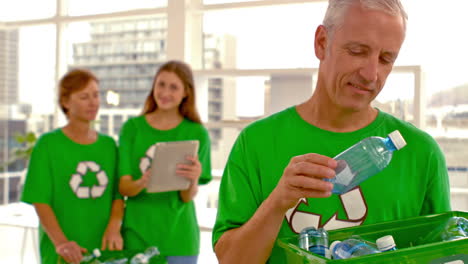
244, 69
35, 9
89, 7
397, 97
123, 61
268, 42
118, 122
104, 124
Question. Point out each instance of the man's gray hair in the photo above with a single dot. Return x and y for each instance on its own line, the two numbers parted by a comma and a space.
337, 8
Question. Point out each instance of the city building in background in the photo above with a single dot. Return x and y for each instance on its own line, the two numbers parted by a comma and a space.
7, 139
125, 55
11, 120
8, 129
219, 53
8, 67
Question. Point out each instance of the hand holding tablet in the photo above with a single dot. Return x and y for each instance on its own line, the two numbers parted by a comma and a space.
167, 155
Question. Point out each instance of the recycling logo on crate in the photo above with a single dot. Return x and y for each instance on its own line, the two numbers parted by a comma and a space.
94, 191
145, 162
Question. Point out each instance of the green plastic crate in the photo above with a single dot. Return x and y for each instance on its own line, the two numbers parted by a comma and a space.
108, 255
405, 232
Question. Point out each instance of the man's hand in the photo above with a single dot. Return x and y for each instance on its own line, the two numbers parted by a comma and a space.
304, 178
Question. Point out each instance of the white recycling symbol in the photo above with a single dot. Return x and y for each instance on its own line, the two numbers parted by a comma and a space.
145, 162
94, 191
353, 202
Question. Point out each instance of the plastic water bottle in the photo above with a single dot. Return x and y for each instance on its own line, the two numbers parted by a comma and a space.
94, 255
315, 241
386, 243
454, 229
143, 258
117, 261
351, 248
363, 160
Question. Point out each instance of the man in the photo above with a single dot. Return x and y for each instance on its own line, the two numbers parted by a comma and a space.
273, 184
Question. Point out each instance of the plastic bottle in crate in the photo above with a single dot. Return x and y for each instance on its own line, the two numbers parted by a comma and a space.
92, 258
116, 261
315, 241
455, 228
144, 258
363, 160
351, 248
386, 243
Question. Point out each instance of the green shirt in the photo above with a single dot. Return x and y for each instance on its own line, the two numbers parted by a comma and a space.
78, 182
414, 183
160, 219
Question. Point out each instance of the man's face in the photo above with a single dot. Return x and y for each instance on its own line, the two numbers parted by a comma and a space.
357, 58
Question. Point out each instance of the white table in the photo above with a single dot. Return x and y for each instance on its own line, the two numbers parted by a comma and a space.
23, 216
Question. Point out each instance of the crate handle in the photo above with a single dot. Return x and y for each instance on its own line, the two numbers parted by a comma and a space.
456, 259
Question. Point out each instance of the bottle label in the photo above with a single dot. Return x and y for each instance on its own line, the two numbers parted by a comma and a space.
344, 175
319, 250
356, 247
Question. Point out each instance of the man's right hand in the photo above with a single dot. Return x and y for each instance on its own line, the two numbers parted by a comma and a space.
303, 178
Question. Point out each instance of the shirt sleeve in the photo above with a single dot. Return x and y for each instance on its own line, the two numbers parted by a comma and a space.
240, 192
115, 191
437, 197
38, 186
204, 155
126, 137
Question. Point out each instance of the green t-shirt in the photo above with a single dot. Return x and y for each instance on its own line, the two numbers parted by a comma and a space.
160, 219
414, 183
79, 183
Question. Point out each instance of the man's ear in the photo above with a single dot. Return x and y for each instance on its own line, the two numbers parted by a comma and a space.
320, 43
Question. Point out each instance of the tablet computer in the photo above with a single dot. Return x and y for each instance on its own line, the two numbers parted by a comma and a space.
163, 167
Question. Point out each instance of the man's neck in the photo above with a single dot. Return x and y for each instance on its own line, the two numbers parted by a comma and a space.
335, 119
